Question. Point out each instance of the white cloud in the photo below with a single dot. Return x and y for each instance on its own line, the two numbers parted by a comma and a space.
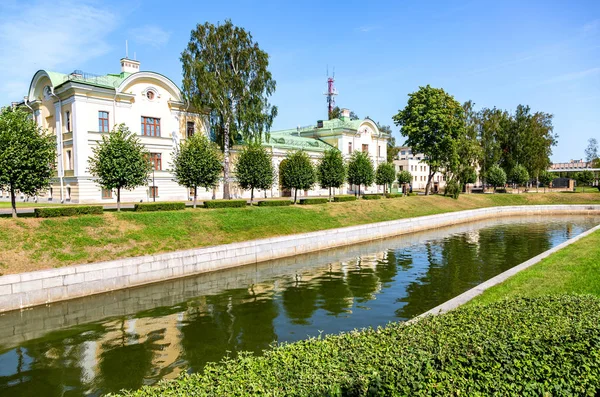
52, 35
151, 35
573, 76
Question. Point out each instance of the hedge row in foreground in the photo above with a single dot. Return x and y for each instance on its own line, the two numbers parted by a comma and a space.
52, 212
144, 207
340, 199
372, 196
224, 203
519, 347
313, 200
274, 203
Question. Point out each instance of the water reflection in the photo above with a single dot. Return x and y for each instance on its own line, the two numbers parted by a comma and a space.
130, 338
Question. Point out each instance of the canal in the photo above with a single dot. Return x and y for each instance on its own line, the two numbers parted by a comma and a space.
135, 337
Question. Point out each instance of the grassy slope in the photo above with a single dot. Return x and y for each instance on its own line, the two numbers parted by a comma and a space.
574, 269
31, 244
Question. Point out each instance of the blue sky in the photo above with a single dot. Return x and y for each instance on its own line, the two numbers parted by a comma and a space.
497, 53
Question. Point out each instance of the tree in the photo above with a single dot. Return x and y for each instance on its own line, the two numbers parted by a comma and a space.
469, 151
27, 155
433, 122
254, 168
360, 170
519, 175
385, 175
331, 170
353, 116
467, 175
226, 72
197, 163
490, 133
546, 178
404, 178
585, 178
496, 177
335, 113
120, 161
297, 172
591, 152
392, 149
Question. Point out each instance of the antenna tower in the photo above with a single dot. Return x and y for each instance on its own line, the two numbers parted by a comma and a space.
331, 93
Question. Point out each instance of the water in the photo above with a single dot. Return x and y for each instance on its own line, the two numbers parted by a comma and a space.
136, 337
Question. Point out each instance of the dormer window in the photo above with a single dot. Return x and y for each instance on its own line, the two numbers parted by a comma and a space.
150, 95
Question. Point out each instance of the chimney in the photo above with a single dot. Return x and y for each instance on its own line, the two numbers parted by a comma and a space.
129, 65
345, 114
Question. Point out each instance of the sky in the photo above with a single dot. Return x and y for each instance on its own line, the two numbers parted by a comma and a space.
545, 54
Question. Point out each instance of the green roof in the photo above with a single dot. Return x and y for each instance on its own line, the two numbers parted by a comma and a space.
287, 140
107, 81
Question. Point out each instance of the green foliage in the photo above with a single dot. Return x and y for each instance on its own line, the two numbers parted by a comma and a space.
584, 178
360, 169
297, 172
546, 178
274, 203
340, 199
335, 113
372, 196
591, 152
433, 123
468, 175
496, 176
197, 163
146, 207
120, 161
452, 189
385, 175
523, 346
225, 203
53, 212
27, 155
225, 71
393, 195
331, 170
404, 177
519, 175
254, 168
313, 200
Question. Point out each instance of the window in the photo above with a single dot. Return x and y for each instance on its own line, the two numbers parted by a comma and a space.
190, 129
156, 161
150, 95
68, 193
403, 152
379, 151
349, 147
150, 126
365, 148
106, 193
401, 168
50, 193
69, 160
153, 191
415, 178
68, 121
103, 121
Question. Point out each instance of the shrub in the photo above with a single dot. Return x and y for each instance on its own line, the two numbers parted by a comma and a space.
525, 346
274, 203
146, 207
314, 200
52, 212
372, 196
340, 199
501, 190
225, 203
452, 189
393, 195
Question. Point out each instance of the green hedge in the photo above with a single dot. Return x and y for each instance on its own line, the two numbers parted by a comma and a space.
274, 203
340, 199
523, 346
372, 196
52, 212
393, 195
144, 207
313, 200
224, 203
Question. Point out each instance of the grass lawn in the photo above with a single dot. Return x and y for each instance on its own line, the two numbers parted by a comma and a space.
574, 269
32, 244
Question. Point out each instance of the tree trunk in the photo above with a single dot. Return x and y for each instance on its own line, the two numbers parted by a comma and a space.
118, 199
251, 195
13, 201
428, 186
329, 193
195, 195
226, 161
295, 195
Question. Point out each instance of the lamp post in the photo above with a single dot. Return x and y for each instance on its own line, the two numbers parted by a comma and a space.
153, 183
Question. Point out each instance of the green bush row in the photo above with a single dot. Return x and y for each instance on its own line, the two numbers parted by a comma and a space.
52, 212
393, 195
224, 203
340, 199
274, 203
524, 346
144, 207
372, 196
313, 200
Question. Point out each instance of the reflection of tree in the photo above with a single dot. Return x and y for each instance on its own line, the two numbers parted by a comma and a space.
363, 282
299, 301
335, 296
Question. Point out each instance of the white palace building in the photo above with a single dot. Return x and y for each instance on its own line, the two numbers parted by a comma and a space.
78, 108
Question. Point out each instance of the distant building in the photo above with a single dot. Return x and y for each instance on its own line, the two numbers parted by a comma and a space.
414, 163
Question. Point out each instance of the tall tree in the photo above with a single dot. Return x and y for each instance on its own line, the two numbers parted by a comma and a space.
469, 151
546, 178
120, 161
226, 73
254, 168
27, 155
297, 172
360, 170
591, 152
331, 170
433, 122
491, 122
197, 163
539, 140
335, 113
496, 176
519, 175
584, 178
353, 116
385, 175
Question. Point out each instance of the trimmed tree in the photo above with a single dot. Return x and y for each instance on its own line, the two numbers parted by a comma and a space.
496, 176
331, 170
27, 155
467, 175
385, 175
225, 71
519, 175
585, 178
404, 178
546, 179
360, 170
197, 163
297, 172
254, 168
120, 161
